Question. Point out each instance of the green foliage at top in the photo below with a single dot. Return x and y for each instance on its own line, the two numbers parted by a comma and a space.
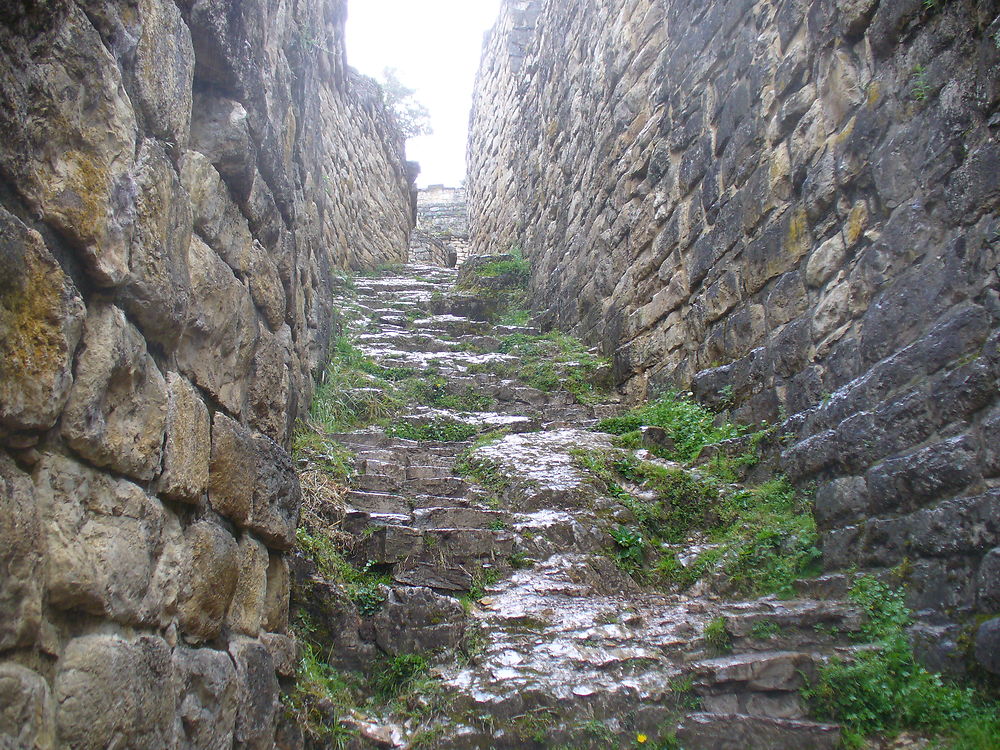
689, 424
884, 690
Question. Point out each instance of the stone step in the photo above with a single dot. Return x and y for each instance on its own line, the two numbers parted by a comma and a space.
378, 483
452, 518
449, 486
718, 731
377, 502
360, 522
426, 472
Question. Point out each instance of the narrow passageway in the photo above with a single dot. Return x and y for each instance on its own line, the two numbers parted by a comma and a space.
495, 548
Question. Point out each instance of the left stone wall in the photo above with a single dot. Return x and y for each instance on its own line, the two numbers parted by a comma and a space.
179, 183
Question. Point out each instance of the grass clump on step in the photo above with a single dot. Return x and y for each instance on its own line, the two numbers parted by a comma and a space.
688, 424
754, 540
325, 702
884, 690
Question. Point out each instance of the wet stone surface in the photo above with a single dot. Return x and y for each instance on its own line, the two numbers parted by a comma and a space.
554, 642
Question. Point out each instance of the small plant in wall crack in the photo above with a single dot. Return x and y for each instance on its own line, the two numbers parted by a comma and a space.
921, 87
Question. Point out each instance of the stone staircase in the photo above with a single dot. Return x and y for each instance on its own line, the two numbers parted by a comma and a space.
563, 649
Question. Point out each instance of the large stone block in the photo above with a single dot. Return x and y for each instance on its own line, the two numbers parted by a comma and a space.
187, 450
840, 502
247, 607
110, 548
908, 482
257, 694
41, 317
415, 620
213, 570
164, 71
988, 598
267, 397
206, 699
217, 345
277, 496
278, 589
987, 647
113, 692
21, 562
26, 710
156, 292
220, 130
116, 414
67, 136
232, 472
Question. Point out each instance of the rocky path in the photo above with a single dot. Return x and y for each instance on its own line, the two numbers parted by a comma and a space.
560, 648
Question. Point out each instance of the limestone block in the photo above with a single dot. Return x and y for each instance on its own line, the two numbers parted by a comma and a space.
284, 652
21, 564
275, 617
156, 293
217, 346
265, 286
26, 710
67, 138
257, 694
164, 71
41, 317
104, 541
232, 472
220, 130
213, 569
113, 692
116, 414
989, 582
268, 393
206, 699
276, 496
247, 607
187, 449
988, 645
417, 619
216, 217
841, 501
910, 481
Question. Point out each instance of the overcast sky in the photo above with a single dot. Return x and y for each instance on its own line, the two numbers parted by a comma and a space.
435, 46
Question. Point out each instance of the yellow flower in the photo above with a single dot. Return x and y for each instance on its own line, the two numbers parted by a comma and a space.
641, 739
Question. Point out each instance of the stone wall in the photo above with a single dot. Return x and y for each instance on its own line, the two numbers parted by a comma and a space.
791, 207
442, 233
178, 184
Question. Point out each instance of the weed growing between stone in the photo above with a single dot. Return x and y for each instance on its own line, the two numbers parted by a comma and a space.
689, 425
717, 637
440, 430
364, 585
753, 540
325, 700
883, 691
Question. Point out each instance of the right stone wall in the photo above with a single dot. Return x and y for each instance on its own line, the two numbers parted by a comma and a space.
790, 208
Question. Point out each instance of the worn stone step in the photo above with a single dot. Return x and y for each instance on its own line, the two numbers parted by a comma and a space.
716, 731
774, 670
378, 483
377, 502
456, 518
361, 522
426, 472
448, 486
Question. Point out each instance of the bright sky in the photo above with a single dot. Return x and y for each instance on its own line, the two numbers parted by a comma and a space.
435, 47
